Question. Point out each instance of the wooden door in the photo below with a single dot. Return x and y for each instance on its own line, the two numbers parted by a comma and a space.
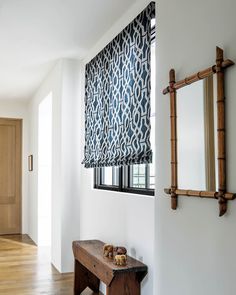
10, 176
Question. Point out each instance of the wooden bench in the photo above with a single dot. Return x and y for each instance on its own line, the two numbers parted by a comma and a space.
91, 267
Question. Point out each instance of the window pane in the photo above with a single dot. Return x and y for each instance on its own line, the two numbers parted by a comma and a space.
107, 175
110, 176
137, 176
115, 176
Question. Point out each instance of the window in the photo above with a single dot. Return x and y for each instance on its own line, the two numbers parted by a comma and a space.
140, 178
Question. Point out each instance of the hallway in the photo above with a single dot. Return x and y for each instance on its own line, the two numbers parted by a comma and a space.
26, 269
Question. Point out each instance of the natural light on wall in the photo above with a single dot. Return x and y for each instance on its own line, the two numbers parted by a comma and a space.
44, 170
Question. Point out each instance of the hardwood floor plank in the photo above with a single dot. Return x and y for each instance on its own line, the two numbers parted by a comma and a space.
25, 269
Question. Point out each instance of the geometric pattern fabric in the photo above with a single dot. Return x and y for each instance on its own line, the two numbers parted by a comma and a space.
117, 98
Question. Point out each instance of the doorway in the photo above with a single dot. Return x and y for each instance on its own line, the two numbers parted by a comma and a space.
44, 170
10, 175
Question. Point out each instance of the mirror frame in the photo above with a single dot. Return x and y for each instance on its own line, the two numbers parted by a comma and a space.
222, 195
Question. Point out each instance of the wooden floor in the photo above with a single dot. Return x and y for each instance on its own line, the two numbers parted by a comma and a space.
26, 270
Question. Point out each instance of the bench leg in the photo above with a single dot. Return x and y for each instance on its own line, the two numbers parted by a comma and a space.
124, 284
83, 279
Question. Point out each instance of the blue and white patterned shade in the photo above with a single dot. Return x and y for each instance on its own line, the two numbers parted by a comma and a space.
117, 98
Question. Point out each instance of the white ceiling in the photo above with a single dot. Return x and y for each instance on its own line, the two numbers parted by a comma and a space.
34, 34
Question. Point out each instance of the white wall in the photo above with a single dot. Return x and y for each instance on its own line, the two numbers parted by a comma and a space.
194, 247
52, 83
70, 160
44, 159
63, 83
118, 218
18, 110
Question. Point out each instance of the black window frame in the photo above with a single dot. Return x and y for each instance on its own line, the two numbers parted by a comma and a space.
124, 183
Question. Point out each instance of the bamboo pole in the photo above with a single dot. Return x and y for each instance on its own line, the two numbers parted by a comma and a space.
173, 121
200, 194
221, 131
198, 76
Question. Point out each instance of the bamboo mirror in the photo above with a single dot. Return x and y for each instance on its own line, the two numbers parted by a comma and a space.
198, 157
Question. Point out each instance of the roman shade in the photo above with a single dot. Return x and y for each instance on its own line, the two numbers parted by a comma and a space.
117, 98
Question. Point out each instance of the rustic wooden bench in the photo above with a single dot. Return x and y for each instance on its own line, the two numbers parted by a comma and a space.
91, 267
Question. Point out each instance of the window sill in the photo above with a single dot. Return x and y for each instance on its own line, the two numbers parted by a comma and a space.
145, 192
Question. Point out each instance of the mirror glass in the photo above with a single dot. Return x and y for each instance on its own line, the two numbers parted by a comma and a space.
197, 135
